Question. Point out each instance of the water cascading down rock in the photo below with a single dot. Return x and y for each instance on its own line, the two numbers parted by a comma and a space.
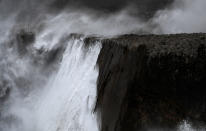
144, 82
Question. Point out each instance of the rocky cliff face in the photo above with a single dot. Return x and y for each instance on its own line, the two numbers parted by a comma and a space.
151, 81
145, 81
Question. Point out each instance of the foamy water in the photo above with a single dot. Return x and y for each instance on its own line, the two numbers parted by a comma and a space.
64, 101
67, 101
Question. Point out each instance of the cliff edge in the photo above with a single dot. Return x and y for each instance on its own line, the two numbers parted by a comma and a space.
152, 81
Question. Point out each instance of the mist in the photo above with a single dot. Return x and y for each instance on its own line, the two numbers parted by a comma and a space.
183, 16
108, 18
53, 20
93, 17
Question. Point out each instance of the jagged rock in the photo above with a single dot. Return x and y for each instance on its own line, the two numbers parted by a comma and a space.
151, 81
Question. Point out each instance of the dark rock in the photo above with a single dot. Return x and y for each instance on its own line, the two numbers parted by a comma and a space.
151, 81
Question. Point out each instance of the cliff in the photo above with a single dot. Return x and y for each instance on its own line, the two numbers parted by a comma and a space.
145, 81
151, 81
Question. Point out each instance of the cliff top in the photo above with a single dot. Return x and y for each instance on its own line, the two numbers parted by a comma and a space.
180, 44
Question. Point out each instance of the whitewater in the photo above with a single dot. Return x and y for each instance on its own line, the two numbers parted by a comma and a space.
67, 100
61, 96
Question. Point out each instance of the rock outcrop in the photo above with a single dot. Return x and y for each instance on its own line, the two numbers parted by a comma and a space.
151, 81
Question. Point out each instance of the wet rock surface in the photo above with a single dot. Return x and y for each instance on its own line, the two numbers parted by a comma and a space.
151, 81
